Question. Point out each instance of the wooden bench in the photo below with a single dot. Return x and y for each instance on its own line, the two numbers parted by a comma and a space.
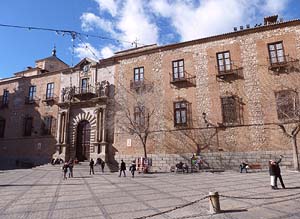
255, 166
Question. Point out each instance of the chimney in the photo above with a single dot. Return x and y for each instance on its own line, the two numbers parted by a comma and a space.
270, 20
235, 29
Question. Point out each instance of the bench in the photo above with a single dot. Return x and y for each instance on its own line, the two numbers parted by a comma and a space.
255, 166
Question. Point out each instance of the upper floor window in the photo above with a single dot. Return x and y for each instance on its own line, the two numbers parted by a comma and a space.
139, 115
276, 52
178, 69
47, 125
287, 102
224, 61
139, 74
231, 110
2, 127
28, 125
50, 91
180, 113
32, 93
84, 85
5, 97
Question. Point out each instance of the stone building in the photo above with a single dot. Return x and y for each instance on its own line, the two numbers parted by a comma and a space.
223, 96
229, 97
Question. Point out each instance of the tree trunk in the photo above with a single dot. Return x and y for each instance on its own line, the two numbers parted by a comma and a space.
145, 150
295, 153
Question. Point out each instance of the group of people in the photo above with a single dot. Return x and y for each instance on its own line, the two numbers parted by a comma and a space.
68, 166
99, 162
132, 168
274, 171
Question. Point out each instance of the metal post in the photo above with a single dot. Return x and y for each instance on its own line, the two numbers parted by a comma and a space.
214, 203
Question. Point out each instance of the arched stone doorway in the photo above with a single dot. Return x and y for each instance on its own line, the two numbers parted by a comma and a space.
83, 140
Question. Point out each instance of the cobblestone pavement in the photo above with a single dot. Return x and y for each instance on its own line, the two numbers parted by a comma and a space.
42, 193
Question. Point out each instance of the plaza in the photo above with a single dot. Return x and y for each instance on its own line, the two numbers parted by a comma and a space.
41, 192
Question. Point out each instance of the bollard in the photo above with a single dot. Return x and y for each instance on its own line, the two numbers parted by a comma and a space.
214, 203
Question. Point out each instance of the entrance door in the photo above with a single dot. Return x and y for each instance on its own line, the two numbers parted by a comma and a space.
83, 140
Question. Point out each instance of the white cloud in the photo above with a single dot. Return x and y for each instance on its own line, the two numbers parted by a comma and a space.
90, 21
86, 50
108, 5
274, 6
107, 52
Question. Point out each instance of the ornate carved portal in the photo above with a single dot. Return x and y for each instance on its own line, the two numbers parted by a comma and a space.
83, 140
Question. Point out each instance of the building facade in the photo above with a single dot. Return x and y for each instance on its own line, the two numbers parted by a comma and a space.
229, 97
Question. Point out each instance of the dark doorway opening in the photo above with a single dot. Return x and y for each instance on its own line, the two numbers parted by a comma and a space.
83, 140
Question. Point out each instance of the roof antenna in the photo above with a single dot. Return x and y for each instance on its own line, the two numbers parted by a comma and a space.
135, 43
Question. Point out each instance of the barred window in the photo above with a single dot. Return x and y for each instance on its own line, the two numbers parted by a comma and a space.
139, 115
28, 125
224, 61
231, 110
178, 69
139, 74
276, 52
2, 127
180, 113
287, 102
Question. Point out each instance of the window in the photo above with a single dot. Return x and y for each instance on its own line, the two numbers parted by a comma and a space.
32, 93
276, 53
139, 115
287, 102
5, 97
84, 85
180, 113
2, 127
47, 125
231, 110
139, 74
178, 69
224, 62
28, 122
50, 91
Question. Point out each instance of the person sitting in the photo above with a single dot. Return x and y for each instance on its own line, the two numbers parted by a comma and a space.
243, 166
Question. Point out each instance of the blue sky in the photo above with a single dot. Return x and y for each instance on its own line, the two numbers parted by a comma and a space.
148, 21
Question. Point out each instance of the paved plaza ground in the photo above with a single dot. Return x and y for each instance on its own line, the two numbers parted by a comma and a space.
42, 193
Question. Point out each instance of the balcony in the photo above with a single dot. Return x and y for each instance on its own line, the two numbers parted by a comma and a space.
187, 80
142, 85
233, 73
283, 65
32, 100
50, 99
82, 94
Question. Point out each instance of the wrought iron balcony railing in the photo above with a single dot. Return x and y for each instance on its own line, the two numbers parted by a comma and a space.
185, 80
231, 73
50, 98
282, 64
31, 100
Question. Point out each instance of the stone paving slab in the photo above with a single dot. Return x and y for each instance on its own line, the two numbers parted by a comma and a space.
42, 193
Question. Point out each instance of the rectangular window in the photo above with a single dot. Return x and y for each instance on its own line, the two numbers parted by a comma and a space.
178, 69
28, 123
231, 110
47, 125
180, 113
2, 128
287, 102
224, 61
139, 74
32, 93
139, 115
84, 85
5, 97
276, 53
50, 91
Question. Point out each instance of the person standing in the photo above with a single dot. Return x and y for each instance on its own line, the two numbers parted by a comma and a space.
132, 168
65, 169
278, 172
102, 166
71, 165
122, 168
92, 163
272, 173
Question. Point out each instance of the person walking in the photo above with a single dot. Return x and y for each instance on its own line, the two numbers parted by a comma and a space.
92, 163
272, 174
102, 166
65, 170
132, 168
278, 172
71, 165
122, 168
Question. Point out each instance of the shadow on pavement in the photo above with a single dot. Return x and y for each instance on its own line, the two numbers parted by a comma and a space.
297, 187
233, 211
12, 185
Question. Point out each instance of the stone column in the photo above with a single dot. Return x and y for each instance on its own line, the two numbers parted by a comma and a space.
58, 128
65, 127
103, 125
